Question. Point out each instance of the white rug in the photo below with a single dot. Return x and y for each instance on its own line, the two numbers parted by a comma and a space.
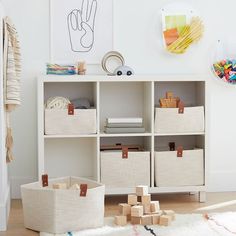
185, 225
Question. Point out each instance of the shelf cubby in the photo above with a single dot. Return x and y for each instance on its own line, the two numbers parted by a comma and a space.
125, 99
69, 157
72, 90
187, 141
144, 142
192, 93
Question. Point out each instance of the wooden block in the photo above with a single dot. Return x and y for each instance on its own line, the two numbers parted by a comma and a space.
169, 213
146, 220
132, 199
146, 199
155, 206
141, 190
135, 220
82, 68
128, 217
156, 219
160, 212
124, 209
162, 103
75, 187
169, 102
59, 186
155, 213
165, 220
146, 209
169, 95
121, 220
136, 211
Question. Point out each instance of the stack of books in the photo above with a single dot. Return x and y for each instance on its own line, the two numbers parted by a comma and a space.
55, 69
124, 125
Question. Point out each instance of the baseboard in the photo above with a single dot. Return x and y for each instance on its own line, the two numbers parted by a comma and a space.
222, 181
5, 210
16, 182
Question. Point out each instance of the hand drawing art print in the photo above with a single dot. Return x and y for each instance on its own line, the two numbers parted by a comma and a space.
80, 30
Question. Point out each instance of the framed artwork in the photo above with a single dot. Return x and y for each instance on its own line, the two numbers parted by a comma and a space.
80, 30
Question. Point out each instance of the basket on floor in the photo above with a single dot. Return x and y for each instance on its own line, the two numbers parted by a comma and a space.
63, 210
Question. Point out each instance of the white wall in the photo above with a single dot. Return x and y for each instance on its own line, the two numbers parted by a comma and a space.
137, 36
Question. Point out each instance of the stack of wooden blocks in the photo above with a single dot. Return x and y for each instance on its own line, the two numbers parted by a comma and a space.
169, 101
146, 212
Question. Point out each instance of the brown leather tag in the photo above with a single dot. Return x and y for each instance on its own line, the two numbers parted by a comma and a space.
71, 109
125, 151
45, 180
83, 190
172, 146
181, 107
180, 151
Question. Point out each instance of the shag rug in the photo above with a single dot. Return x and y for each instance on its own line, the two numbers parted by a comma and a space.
185, 225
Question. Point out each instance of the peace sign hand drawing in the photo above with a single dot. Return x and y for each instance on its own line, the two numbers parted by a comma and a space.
81, 26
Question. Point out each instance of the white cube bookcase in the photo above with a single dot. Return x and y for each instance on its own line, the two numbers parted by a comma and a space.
134, 96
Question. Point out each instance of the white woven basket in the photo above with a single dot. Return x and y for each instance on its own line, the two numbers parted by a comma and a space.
61, 211
168, 120
57, 121
130, 172
171, 170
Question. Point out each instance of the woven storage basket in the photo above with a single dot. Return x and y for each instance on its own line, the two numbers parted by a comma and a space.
171, 170
60, 211
130, 172
168, 120
57, 121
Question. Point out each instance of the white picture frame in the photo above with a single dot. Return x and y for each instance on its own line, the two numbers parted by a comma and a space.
80, 30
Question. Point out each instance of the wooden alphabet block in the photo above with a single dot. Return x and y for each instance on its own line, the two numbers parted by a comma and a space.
136, 211
146, 220
146, 199
155, 206
141, 190
124, 209
147, 209
132, 199
135, 220
121, 220
75, 187
170, 213
59, 186
165, 220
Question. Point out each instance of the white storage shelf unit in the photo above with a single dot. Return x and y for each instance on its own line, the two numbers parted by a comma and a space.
135, 96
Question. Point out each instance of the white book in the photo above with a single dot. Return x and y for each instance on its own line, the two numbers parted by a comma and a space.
124, 125
124, 130
125, 120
